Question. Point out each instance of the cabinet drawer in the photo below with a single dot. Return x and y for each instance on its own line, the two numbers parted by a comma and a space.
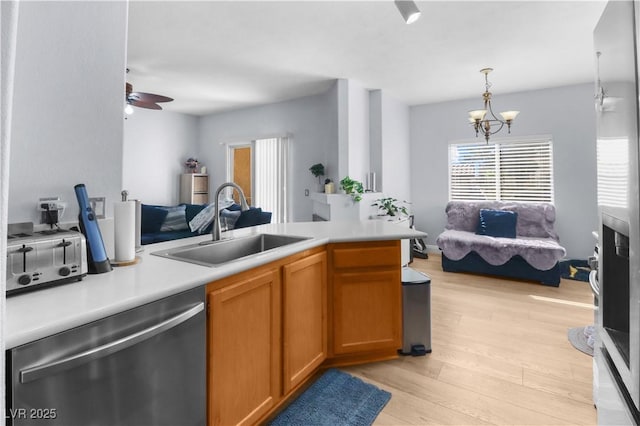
200, 198
363, 255
200, 183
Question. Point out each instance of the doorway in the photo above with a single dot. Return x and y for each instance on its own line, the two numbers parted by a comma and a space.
242, 171
261, 169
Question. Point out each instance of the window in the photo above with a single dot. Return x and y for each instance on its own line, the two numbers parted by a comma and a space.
613, 166
271, 177
507, 171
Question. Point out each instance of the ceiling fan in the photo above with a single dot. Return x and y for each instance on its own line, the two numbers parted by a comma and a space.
143, 100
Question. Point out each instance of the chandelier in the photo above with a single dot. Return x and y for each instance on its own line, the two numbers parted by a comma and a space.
492, 124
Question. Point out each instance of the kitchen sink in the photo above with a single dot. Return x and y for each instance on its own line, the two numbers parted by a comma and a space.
215, 253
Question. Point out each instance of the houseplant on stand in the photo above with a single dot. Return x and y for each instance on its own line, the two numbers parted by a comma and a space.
318, 171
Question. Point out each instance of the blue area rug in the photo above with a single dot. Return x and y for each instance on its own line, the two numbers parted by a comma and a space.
575, 269
336, 399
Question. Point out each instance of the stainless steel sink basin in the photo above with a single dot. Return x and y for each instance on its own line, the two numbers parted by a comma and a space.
215, 253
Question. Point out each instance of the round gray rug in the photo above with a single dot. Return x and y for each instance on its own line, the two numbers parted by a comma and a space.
582, 338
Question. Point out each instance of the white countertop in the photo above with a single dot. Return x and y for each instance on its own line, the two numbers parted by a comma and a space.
41, 313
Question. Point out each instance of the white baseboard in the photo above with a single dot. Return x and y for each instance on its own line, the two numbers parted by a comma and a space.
433, 249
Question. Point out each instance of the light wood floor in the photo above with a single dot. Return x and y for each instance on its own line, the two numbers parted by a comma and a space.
500, 356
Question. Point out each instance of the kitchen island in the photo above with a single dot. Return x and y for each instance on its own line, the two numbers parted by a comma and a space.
331, 299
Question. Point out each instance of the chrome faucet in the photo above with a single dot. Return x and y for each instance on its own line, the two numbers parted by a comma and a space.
215, 231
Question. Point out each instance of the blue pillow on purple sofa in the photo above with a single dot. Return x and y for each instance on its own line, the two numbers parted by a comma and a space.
497, 223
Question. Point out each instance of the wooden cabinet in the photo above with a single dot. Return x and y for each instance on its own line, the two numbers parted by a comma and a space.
304, 326
365, 299
194, 188
244, 348
271, 328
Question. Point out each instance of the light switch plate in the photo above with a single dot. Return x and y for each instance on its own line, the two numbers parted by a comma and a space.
98, 205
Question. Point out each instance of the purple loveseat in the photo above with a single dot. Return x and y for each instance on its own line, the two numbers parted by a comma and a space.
532, 255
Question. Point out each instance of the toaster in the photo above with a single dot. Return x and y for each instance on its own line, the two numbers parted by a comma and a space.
40, 259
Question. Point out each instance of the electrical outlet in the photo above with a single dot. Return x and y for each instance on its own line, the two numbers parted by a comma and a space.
98, 206
306, 192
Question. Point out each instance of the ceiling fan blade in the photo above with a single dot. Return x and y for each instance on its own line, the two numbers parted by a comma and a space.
143, 104
149, 97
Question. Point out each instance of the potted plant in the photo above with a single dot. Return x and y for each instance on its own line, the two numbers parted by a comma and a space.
390, 206
352, 187
192, 165
318, 171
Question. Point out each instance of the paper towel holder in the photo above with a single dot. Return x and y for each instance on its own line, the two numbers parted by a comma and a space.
114, 262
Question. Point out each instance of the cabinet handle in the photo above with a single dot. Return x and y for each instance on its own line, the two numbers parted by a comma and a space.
72, 361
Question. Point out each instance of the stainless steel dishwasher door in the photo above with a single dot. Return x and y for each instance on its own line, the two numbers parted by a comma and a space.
146, 366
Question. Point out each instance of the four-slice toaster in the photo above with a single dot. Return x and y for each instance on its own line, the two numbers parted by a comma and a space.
39, 259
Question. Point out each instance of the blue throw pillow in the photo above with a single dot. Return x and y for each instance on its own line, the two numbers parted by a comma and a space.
151, 218
497, 223
249, 217
192, 210
176, 219
229, 218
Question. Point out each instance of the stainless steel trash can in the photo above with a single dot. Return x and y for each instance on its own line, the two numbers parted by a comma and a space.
416, 312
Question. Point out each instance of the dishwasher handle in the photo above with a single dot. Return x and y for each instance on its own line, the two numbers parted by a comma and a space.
72, 361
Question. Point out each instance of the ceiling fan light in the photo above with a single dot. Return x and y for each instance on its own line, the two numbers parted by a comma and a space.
409, 11
128, 109
477, 114
509, 115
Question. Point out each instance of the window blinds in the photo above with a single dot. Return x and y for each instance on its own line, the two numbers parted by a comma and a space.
270, 180
613, 165
508, 171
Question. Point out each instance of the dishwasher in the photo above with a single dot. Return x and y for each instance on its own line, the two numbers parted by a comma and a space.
145, 366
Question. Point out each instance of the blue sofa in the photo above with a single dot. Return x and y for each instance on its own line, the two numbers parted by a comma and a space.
166, 223
511, 239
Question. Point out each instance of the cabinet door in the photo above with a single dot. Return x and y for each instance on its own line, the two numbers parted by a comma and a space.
304, 318
367, 311
244, 349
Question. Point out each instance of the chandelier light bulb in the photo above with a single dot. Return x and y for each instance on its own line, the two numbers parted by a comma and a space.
477, 114
509, 115
128, 109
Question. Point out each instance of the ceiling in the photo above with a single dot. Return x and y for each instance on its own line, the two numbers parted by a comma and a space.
214, 56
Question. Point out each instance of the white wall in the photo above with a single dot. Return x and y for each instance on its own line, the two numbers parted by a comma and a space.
156, 145
309, 120
395, 177
68, 111
358, 133
375, 137
567, 113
